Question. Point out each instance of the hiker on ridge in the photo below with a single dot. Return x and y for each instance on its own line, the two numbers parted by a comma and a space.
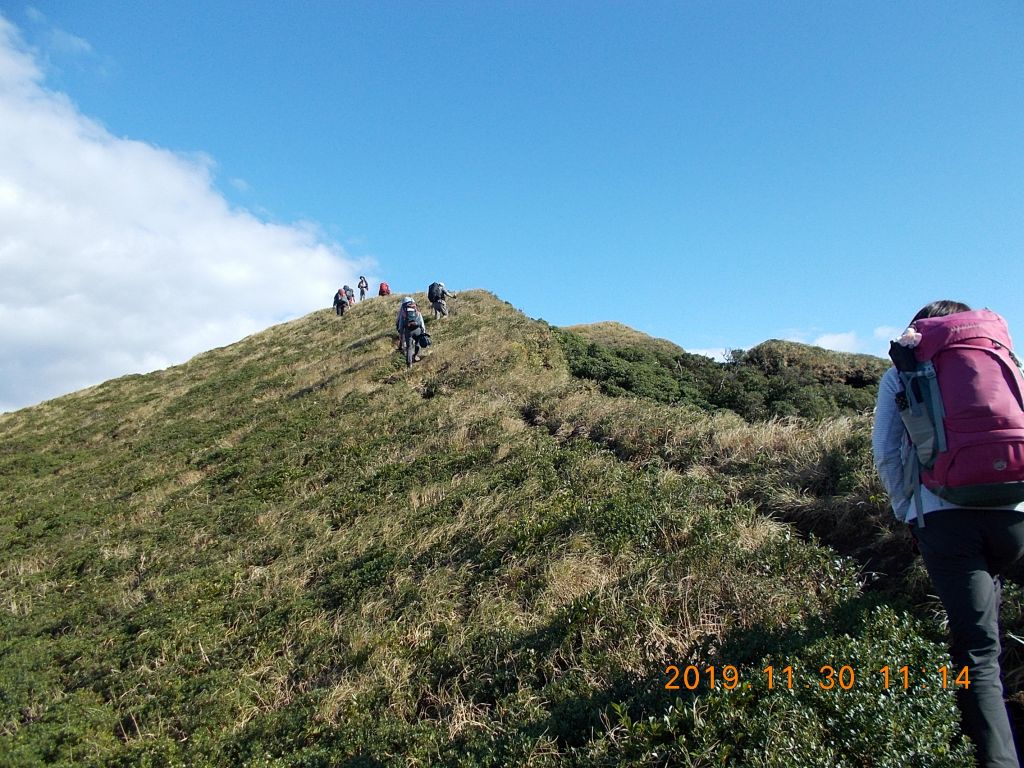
350, 294
340, 302
411, 329
363, 287
967, 518
384, 290
438, 295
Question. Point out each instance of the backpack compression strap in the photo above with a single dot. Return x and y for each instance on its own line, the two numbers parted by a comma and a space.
924, 425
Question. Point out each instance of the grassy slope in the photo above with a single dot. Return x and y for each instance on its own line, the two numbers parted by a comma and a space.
293, 551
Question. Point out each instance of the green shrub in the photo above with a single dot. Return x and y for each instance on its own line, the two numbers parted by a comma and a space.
776, 379
859, 722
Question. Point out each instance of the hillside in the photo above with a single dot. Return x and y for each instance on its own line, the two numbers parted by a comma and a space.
293, 551
774, 379
619, 336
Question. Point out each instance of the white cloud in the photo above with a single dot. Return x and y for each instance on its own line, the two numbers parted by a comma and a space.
118, 256
883, 334
65, 42
840, 342
887, 332
58, 40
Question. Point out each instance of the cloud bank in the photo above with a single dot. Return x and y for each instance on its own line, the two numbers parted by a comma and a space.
119, 257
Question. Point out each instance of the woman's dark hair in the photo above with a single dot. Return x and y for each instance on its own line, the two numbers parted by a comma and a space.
940, 309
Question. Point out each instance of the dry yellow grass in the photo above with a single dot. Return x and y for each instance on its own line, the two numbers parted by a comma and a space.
472, 547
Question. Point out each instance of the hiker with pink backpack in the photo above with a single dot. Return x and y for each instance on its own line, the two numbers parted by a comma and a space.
948, 442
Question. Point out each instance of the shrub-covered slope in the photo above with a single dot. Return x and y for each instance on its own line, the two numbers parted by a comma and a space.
618, 336
293, 551
774, 379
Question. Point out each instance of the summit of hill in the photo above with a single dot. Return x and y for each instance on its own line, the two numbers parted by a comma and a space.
620, 336
533, 547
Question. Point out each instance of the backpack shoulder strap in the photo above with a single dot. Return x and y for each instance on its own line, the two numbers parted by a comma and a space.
937, 410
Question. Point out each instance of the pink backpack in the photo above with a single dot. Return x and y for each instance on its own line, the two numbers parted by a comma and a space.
963, 406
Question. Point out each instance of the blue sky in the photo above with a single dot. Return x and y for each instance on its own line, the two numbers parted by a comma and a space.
715, 173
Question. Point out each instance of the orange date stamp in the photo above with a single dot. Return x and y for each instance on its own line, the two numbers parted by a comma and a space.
828, 677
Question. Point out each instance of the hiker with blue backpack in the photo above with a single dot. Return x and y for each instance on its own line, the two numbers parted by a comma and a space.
948, 443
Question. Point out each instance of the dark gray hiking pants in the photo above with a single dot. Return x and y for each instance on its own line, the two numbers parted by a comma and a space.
965, 551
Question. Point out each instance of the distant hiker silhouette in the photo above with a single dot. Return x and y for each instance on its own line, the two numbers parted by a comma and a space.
363, 287
384, 290
948, 442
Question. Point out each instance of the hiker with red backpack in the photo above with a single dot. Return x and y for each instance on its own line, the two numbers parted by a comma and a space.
341, 302
948, 442
384, 290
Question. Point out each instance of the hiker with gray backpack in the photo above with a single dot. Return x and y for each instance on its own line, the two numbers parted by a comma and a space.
438, 297
412, 331
948, 443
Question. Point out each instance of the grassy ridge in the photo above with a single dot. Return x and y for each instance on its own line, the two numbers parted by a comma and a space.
292, 551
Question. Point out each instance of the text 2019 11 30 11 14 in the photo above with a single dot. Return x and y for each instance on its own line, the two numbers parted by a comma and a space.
828, 677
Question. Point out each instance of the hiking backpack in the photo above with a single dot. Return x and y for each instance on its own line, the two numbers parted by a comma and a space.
385, 290
434, 292
962, 404
412, 321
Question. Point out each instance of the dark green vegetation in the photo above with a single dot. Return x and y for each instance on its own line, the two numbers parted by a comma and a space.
292, 551
777, 378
